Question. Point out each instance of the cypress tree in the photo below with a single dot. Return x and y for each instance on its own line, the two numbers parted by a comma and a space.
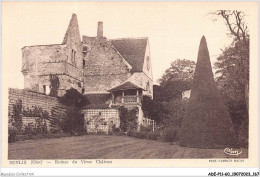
207, 123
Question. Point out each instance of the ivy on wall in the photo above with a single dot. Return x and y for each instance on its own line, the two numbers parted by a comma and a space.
128, 118
55, 84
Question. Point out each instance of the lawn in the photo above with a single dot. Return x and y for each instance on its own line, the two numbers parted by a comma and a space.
108, 147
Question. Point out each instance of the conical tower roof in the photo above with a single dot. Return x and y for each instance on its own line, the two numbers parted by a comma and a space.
207, 123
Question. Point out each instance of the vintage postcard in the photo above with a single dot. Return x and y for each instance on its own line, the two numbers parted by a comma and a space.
129, 84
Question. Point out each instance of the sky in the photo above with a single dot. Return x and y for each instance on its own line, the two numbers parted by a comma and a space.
174, 29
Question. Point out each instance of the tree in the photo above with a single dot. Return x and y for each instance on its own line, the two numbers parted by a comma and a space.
73, 120
147, 105
17, 115
207, 123
179, 70
128, 118
172, 89
235, 22
237, 55
177, 78
232, 70
73, 98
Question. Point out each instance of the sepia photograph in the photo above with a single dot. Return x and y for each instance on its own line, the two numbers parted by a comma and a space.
106, 81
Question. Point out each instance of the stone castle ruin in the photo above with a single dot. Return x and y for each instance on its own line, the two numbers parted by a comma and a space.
110, 73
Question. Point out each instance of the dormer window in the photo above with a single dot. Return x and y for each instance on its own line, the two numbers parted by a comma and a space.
148, 62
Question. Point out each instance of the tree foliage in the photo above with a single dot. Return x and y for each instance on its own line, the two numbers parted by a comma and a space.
180, 69
175, 114
147, 106
233, 65
172, 89
73, 120
168, 106
128, 118
176, 79
235, 22
17, 115
232, 69
73, 98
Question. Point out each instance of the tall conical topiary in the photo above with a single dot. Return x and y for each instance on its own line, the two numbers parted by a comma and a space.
207, 123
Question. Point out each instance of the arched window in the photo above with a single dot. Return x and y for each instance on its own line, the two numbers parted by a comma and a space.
148, 62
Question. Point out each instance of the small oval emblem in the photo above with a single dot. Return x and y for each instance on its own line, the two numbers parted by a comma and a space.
230, 151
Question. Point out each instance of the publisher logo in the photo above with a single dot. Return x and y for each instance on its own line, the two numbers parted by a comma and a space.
230, 151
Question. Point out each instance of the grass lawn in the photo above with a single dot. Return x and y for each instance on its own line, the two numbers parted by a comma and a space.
108, 147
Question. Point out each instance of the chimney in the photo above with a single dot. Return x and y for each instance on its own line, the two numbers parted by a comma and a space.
100, 29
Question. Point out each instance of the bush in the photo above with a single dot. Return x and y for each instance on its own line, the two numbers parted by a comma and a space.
243, 134
17, 115
116, 131
58, 135
12, 134
128, 118
153, 136
28, 130
55, 131
100, 132
170, 134
146, 128
39, 136
144, 135
73, 120
207, 122
141, 135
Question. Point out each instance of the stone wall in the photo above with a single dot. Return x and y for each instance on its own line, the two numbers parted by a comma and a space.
104, 66
73, 42
34, 59
30, 99
66, 59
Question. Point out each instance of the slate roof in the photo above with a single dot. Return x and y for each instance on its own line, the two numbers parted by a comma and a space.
133, 51
125, 86
98, 100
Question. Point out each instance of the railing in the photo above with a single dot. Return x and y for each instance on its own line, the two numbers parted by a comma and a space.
130, 99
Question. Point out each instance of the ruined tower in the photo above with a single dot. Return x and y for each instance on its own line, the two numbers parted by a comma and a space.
207, 123
62, 60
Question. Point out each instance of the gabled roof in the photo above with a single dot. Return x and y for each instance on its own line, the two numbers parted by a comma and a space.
133, 51
72, 30
125, 86
98, 100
